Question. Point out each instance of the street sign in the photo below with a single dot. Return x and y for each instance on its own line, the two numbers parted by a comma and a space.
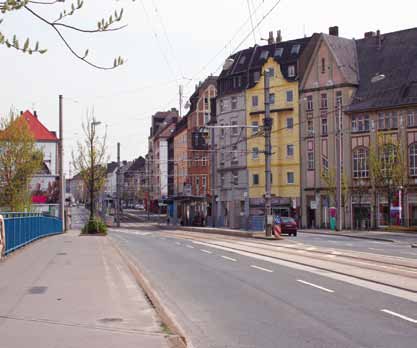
313, 205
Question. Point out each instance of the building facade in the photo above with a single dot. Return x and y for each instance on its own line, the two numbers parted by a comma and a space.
327, 87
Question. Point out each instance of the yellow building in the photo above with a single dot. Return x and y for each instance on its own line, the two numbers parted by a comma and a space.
284, 106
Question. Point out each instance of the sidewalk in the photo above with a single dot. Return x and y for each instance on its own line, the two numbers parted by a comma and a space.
386, 236
69, 291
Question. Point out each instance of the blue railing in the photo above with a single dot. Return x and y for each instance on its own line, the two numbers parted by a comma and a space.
24, 228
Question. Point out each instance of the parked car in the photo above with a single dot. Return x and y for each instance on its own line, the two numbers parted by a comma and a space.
288, 226
139, 206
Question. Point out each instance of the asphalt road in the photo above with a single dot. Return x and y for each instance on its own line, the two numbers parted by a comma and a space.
401, 249
223, 299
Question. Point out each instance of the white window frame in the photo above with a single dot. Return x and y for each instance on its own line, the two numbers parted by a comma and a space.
291, 70
412, 159
360, 162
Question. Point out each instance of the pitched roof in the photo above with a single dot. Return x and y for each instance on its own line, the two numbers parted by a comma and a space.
39, 131
393, 55
111, 167
138, 164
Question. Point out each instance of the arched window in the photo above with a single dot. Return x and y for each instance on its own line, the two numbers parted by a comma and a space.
360, 162
412, 159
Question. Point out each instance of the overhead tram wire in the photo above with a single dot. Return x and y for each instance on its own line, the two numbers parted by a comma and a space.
251, 21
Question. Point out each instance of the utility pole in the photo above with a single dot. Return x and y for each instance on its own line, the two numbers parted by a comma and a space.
213, 121
180, 92
267, 131
61, 166
118, 187
148, 188
339, 216
92, 171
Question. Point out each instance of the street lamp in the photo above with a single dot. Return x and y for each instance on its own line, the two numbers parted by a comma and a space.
92, 135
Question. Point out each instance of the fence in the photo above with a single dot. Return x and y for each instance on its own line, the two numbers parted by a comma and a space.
23, 228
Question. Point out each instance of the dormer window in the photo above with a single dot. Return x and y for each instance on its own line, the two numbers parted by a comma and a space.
242, 60
278, 52
256, 76
291, 71
264, 54
295, 49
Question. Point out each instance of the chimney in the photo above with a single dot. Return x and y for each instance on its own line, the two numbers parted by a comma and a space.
271, 38
21, 112
35, 114
334, 31
279, 36
379, 38
369, 34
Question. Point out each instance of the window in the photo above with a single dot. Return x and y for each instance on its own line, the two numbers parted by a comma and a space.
222, 158
388, 159
255, 179
323, 101
222, 180
387, 120
290, 123
255, 127
324, 126
290, 96
235, 129
295, 49
272, 98
234, 103
221, 105
290, 178
206, 117
412, 118
271, 72
339, 99
290, 150
235, 178
278, 52
256, 76
255, 153
242, 60
206, 102
196, 160
204, 161
360, 162
325, 164
222, 130
255, 100
360, 123
310, 128
412, 159
291, 71
234, 155
197, 184
204, 182
323, 65
310, 160
264, 54
310, 103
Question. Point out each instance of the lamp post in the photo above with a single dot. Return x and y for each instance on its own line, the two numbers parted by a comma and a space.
92, 136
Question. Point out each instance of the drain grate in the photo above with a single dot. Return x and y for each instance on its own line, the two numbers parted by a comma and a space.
37, 290
61, 254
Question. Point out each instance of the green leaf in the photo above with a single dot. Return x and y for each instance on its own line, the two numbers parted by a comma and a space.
26, 45
42, 51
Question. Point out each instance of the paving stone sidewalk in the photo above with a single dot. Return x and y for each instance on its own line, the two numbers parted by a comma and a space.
69, 291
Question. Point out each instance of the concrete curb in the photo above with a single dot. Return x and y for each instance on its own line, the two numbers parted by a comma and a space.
178, 340
348, 235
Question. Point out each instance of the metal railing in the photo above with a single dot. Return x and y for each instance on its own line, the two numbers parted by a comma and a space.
23, 228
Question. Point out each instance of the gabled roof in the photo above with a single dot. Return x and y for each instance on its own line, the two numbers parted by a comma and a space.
111, 167
393, 55
39, 131
137, 165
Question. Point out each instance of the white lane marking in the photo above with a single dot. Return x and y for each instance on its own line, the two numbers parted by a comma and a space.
206, 251
376, 249
178, 243
314, 285
262, 269
190, 246
331, 256
407, 253
399, 316
229, 258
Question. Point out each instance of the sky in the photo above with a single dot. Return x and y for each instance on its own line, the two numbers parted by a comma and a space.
165, 44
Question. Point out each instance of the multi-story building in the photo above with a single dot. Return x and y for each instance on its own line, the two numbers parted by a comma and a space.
231, 167
282, 61
384, 112
132, 191
327, 86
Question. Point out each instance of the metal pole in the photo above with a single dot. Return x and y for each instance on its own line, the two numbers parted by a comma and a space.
148, 203
213, 180
118, 187
92, 172
61, 165
339, 170
180, 99
267, 130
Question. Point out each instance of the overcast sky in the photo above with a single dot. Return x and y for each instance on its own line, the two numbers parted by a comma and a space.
165, 45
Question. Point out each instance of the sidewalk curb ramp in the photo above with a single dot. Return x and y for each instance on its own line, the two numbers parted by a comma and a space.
178, 338
347, 235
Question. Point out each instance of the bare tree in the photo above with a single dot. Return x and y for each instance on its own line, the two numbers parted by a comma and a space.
90, 160
20, 159
58, 24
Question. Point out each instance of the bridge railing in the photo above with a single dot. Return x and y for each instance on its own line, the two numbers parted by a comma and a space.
20, 229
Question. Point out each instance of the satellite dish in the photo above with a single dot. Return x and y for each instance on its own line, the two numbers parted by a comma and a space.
228, 63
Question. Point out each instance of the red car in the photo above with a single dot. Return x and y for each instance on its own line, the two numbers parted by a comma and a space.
288, 226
